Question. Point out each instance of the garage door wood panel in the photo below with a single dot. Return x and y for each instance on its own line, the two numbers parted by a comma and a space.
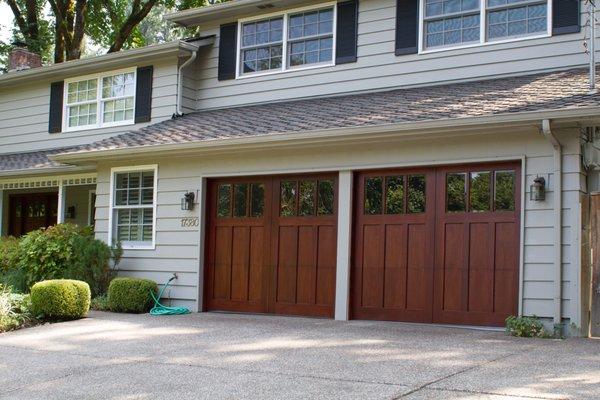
281, 261
477, 246
453, 260
392, 270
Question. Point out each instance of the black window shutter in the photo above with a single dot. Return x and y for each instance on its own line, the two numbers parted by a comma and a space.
347, 32
407, 27
143, 94
565, 17
227, 51
56, 107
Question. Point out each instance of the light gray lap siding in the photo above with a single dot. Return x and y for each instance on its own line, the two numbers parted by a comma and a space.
24, 114
378, 67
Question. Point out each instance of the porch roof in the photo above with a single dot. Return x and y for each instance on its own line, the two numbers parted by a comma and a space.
551, 95
33, 162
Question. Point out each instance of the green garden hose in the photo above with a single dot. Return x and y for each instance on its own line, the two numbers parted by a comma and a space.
159, 309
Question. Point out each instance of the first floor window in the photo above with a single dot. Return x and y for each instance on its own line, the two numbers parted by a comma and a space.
450, 23
133, 207
104, 100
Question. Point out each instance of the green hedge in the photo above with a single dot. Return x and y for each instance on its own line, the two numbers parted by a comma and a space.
131, 295
61, 299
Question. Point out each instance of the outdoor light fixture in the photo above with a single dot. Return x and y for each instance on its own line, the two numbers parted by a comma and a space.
537, 191
70, 214
187, 203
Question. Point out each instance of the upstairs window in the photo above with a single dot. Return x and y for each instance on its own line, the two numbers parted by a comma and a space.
100, 101
454, 23
286, 41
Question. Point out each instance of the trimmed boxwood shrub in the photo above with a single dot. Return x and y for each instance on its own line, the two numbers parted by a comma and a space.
131, 295
60, 299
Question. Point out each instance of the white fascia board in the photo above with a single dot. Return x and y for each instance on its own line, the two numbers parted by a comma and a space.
112, 61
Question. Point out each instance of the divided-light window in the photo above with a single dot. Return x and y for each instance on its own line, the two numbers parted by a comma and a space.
287, 41
453, 23
99, 101
133, 207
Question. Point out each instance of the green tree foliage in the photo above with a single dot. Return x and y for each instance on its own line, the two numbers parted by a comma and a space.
114, 25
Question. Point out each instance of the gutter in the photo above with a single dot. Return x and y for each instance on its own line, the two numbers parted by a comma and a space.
180, 80
82, 65
557, 171
45, 171
347, 133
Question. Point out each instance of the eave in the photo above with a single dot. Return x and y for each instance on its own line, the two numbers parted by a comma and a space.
406, 130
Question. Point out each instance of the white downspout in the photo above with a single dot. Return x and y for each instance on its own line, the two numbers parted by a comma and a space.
180, 81
557, 171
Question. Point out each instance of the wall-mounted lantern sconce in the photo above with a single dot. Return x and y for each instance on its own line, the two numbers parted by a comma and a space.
187, 203
537, 190
70, 214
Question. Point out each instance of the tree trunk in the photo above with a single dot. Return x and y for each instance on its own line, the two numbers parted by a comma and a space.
134, 19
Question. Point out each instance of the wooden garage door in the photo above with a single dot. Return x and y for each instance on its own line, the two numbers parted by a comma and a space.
271, 245
437, 245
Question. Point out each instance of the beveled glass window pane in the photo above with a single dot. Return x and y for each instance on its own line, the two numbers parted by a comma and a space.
326, 198
480, 197
224, 201
306, 204
394, 200
288, 199
257, 205
373, 195
504, 184
417, 200
240, 198
456, 200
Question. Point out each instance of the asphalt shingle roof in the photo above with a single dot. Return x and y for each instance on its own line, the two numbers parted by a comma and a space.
539, 92
31, 161
554, 90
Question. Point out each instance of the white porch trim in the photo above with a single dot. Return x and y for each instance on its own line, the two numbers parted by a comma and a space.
60, 214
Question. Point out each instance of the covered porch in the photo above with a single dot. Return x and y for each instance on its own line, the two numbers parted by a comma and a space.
30, 203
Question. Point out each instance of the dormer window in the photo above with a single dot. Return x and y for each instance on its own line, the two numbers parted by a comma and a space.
296, 39
100, 101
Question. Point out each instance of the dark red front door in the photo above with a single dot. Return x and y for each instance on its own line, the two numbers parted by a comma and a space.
271, 245
28, 212
437, 244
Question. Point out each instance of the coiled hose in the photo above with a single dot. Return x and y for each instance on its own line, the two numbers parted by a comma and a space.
160, 309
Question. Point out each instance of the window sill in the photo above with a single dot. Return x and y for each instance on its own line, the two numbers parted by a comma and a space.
138, 247
488, 43
95, 127
292, 69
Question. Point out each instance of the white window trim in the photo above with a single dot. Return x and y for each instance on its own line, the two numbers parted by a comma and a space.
482, 31
111, 216
284, 68
99, 101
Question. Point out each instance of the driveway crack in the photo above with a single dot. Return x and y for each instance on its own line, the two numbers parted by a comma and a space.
453, 374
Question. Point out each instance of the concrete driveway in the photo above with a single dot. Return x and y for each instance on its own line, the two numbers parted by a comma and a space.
224, 356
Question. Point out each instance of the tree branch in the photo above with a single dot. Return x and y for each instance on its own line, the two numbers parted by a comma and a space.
21, 23
132, 21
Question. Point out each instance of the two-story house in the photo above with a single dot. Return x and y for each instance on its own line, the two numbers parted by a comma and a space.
403, 160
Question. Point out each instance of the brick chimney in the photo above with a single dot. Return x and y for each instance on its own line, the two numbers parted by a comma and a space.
20, 59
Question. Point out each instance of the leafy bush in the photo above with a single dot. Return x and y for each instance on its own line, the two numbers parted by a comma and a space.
100, 303
526, 327
131, 295
10, 273
66, 251
15, 309
60, 299
9, 247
